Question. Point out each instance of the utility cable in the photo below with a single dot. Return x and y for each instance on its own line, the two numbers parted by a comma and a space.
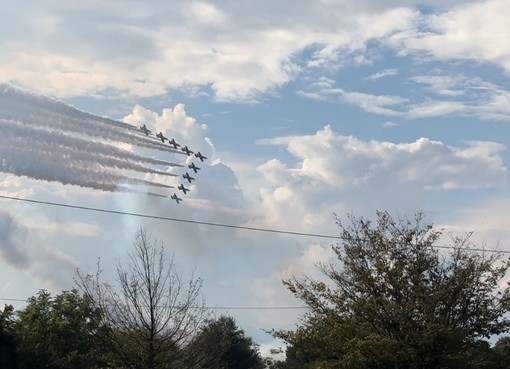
208, 307
223, 225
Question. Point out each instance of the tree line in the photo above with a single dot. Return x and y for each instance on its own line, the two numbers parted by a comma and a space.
389, 299
152, 318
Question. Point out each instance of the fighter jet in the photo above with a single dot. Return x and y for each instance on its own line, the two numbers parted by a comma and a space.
145, 130
174, 144
176, 198
161, 137
194, 167
183, 189
200, 156
186, 150
188, 177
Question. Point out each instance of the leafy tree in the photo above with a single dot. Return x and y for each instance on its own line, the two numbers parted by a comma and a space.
295, 359
393, 300
54, 332
8, 354
226, 346
153, 314
502, 350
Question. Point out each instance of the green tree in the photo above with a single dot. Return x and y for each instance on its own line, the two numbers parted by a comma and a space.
153, 314
8, 351
54, 332
393, 300
225, 346
294, 359
502, 351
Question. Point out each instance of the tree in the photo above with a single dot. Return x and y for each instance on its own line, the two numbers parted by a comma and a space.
153, 315
8, 353
294, 359
502, 350
226, 346
393, 300
54, 332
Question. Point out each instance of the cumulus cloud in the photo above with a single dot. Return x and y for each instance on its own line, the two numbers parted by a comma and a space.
173, 123
344, 161
333, 172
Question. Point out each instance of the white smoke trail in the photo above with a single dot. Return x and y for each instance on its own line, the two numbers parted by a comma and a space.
14, 136
44, 112
50, 166
11, 249
18, 128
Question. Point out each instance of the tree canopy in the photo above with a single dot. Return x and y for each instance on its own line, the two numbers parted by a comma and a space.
391, 299
226, 346
8, 353
56, 332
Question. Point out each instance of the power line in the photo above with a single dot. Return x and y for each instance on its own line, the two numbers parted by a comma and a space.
223, 225
139, 215
209, 307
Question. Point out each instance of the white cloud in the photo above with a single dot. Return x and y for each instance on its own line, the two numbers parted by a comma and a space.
384, 73
346, 162
173, 123
451, 95
389, 124
378, 104
442, 84
476, 31
133, 49
435, 109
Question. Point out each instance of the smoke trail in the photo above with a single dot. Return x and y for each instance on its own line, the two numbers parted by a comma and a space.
70, 120
11, 249
31, 134
13, 143
53, 167
9, 92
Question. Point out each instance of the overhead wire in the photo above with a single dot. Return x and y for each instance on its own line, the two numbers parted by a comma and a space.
212, 224
212, 307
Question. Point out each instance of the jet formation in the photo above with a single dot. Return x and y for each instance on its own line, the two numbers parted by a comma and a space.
186, 151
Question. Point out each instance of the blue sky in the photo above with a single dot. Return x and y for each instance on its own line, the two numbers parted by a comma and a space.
303, 110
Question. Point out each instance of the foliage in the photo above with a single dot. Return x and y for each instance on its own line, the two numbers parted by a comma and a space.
54, 332
226, 346
393, 300
502, 351
153, 314
8, 354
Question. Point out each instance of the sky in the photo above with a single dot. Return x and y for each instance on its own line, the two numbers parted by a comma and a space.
304, 110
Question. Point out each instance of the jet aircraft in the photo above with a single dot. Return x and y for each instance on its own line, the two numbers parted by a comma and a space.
200, 156
183, 189
145, 130
176, 198
194, 167
161, 137
174, 144
186, 150
188, 177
